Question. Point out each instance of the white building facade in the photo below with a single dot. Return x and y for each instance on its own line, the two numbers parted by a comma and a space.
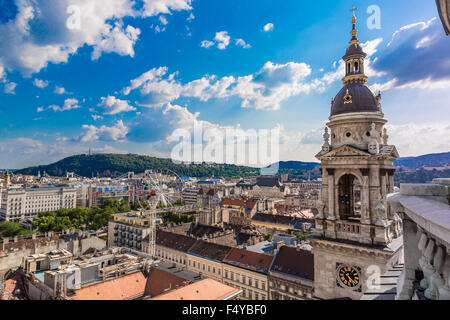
21, 204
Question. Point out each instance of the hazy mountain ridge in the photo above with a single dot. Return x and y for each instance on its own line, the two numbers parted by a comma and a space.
420, 161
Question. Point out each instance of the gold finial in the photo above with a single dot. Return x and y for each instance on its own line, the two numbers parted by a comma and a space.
354, 31
353, 10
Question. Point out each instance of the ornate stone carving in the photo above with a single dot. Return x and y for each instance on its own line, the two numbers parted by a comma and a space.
436, 281
326, 144
373, 147
320, 207
425, 264
380, 210
385, 136
444, 292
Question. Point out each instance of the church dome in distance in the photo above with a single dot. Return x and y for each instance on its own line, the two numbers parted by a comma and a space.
354, 97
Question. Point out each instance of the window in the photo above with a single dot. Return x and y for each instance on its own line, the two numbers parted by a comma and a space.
256, 283
226, 273
214, 269
250, 281
263, 286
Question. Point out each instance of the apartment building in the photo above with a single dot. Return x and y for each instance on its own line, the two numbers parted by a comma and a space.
21, 204
291, 276
129, 230
206, 258
171, 247
189, 195
247, 271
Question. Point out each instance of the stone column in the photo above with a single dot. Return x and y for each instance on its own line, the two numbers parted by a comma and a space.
331, 195
365, 197
324, 193
375, 192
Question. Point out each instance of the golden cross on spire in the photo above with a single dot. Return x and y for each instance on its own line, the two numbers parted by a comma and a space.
353, 10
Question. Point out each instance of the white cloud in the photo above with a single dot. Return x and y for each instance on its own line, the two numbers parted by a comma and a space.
243, 44
25, 145
117, 40
10, 87
40, 83
157, 86
268, 27
115, 133
191, 17
206, 44
112, 106
60, 90
414, 58
96, 117
155, 7
163, 20
265, 89
43, 32
223, 40
69, 104
414, 139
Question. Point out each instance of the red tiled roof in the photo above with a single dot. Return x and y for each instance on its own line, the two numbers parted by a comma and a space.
240, 203
232, 202
207, 289
124, 288
159, 281
249, 260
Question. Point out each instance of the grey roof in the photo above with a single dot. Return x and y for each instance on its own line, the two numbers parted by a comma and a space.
179, 272
354, 49
363, 100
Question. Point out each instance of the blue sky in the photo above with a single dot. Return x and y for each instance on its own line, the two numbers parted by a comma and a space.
131, 72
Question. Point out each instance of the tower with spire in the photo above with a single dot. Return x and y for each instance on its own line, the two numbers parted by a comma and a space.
354, 230
7, 181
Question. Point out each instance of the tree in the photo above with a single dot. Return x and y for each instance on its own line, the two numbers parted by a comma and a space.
12, 229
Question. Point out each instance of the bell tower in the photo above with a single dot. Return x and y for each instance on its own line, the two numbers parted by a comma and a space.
354, 229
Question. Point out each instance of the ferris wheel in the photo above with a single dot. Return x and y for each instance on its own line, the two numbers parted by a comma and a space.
162, 182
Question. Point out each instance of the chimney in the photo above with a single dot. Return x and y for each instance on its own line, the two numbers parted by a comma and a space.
16, 239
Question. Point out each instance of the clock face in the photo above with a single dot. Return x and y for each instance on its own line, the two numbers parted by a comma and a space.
349, 276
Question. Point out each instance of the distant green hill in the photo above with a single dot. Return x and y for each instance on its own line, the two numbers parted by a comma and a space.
298, 165
113, 165
420, 161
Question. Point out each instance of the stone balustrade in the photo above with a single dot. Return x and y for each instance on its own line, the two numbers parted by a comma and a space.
425, 213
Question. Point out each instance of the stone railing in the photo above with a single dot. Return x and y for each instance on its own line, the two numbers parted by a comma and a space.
425, 213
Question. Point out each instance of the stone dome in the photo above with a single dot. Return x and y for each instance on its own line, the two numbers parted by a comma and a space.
355, 49
359, 98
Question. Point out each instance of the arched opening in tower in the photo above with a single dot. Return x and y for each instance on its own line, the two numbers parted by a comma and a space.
349, 198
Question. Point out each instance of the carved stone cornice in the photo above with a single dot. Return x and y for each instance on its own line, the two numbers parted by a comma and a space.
346, 248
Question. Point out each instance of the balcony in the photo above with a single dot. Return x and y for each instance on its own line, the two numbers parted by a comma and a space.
425, 213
